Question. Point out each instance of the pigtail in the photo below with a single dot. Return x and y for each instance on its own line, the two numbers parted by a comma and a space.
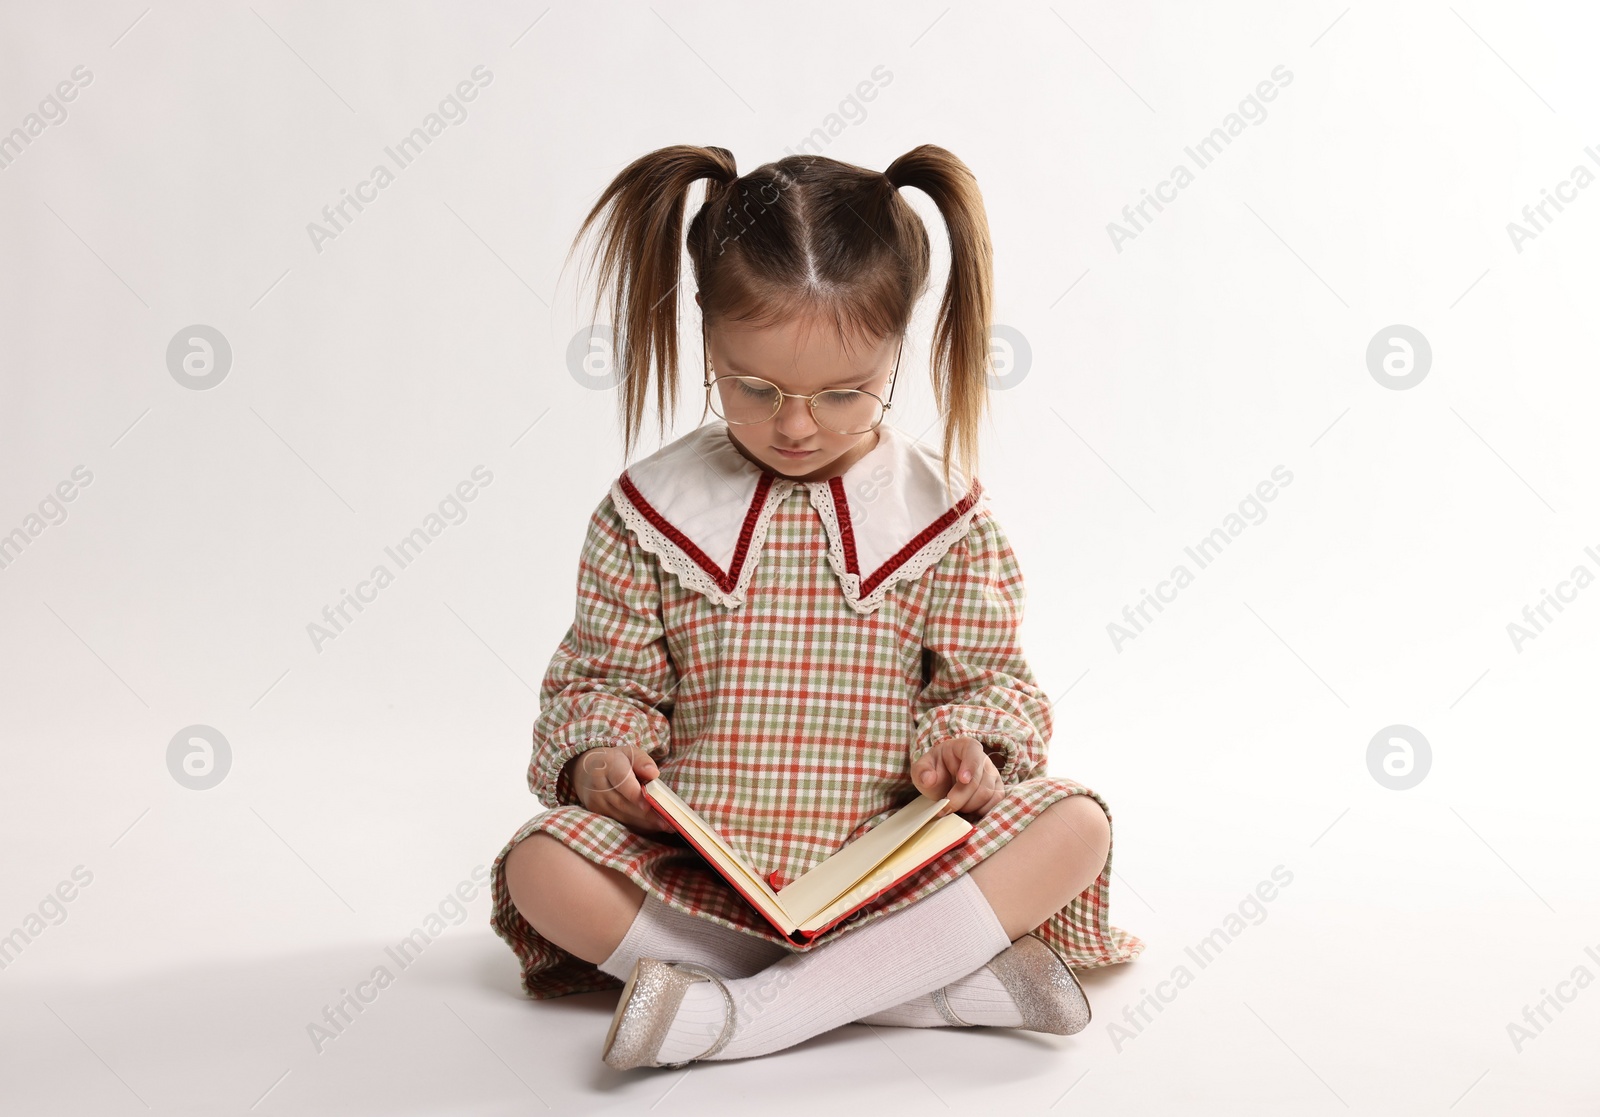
960, 367
640, 248
786, 240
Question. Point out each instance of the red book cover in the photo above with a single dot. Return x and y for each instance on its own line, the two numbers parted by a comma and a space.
797, 936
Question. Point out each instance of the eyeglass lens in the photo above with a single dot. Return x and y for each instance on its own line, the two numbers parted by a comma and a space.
746, 399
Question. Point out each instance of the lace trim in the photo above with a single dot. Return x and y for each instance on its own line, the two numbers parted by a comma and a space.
689, 572
913, 567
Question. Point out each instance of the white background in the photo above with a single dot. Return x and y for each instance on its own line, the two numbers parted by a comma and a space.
1167, 379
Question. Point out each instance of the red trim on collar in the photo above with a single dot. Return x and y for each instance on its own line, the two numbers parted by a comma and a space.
847, 534
727, 581
841, 507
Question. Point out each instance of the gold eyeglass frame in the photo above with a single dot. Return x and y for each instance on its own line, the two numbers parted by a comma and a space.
811, 400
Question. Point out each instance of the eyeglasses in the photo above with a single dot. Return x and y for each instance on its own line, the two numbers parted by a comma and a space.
746, 400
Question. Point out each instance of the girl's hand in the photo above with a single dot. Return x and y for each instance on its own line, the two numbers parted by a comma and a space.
606, 781
959, 768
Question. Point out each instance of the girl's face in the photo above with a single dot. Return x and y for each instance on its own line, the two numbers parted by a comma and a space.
802, 358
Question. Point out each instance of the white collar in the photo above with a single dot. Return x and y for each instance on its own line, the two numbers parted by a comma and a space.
703, 508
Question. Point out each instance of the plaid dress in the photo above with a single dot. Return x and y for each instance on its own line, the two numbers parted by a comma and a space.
785, 650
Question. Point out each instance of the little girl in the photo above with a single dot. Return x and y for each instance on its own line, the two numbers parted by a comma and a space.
799, 617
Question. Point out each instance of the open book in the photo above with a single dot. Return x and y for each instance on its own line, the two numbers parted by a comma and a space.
842, 882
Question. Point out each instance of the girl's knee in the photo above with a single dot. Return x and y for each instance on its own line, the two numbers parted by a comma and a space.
536, 868
531, 852
1084, 829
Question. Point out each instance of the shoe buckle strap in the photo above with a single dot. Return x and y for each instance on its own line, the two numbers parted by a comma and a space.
942, 1003
728, 1020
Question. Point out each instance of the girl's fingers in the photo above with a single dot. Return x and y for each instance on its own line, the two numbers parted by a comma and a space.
984, 796
605, 769
638, 817
642, 763
644, 817
614, 790
956, 766
961, 797
962, 768
972, 757
995, 799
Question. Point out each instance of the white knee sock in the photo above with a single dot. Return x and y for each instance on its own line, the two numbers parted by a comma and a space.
916, 950
978, 998
663, 932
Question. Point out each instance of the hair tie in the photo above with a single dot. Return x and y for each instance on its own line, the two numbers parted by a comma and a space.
724, 170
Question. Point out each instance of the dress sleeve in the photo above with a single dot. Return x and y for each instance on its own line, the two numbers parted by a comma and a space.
978, 683
611, 680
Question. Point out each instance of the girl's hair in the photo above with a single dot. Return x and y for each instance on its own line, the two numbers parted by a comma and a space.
805, 237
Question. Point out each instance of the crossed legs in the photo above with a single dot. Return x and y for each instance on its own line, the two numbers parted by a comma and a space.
586, 909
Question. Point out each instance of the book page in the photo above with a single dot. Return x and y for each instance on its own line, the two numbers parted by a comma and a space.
934, 836
717, 850
826, 881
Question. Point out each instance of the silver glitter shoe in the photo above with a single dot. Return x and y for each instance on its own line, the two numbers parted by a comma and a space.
1041, 985
649, 1001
